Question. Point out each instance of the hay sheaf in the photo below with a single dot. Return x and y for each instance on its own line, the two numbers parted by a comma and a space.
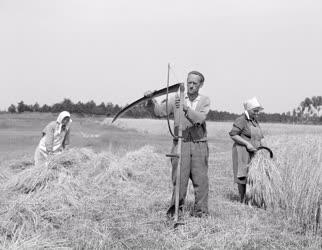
265, 181
136, 166
39, 176
77, 186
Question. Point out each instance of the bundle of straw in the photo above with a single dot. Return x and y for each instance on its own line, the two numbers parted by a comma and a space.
39, 176
44, 197
264, 181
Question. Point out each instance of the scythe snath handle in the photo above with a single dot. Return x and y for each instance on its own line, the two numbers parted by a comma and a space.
178, 177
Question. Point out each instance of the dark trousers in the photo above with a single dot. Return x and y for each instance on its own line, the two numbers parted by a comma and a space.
194, 165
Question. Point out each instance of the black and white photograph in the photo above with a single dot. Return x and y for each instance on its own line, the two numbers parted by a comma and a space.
173, 124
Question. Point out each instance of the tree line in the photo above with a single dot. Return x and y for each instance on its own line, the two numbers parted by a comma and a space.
309, 111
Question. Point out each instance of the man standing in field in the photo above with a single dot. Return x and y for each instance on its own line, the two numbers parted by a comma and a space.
195, 152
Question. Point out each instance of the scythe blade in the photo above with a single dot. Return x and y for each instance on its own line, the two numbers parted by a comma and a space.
173, 88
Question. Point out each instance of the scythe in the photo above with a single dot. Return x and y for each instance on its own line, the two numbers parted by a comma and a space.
171, 89
165, 91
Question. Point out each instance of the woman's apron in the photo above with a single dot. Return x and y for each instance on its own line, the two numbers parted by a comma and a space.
241, 157
41, 153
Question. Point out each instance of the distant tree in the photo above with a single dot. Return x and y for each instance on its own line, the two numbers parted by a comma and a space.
116, 109
21, 107
45, 108
306, 103
80, 108
100, 109
109, 109
89, 107
68, 105
12, 109
36, 107
57, 107
215, 115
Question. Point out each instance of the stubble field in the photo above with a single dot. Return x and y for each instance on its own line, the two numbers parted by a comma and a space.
112, 188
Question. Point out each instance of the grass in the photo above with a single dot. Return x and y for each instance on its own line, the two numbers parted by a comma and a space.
112, 191
290, 184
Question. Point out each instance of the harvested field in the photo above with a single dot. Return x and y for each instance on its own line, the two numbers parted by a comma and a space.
111, 192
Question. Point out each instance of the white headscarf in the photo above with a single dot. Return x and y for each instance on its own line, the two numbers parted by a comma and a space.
252, 104
60, 118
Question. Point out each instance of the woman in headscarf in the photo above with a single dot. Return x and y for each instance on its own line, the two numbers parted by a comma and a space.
55, 137
247, 136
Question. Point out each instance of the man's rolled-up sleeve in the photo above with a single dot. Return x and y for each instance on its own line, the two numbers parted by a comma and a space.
199, 116
161, 109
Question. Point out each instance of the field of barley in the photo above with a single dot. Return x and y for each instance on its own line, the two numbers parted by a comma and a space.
111, 189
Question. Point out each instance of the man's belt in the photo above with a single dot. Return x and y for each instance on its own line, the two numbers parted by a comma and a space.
195, 133
175, 141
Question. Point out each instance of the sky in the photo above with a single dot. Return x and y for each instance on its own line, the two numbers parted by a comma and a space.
115, 50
